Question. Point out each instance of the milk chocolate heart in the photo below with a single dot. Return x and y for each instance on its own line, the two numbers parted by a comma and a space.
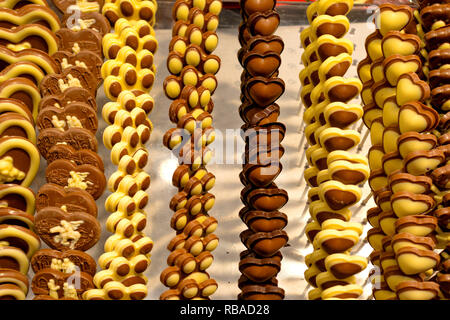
85, 59
85, 39
410, 88
75, 76
51, 282
78, 138
264, 65
76, 114
82, 156
269, 199
264, 91
62, 231
74, 199
66, 174
64, 261
264, 23
265, 244
71, 94
262, 221
257, 269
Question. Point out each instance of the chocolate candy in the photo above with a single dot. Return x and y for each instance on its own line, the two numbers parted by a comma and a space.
62, 231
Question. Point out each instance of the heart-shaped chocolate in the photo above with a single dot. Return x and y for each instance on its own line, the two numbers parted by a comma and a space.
86, 39
396, 42
23, 69
264, 91
66, 174
338, 195
435, 38
40, 284
21, 238
265, 244
394, 17
344, 265
86, 59
407, 182
257, 116
78, 138
75, 76
417, 117
405, 203
342, 89
264, 23
396, 65
37, 36
61, 230
22, 89
45, 259
336, 26
18, 197
74, 115
16, 217
74, 199
268, 199
411, 88
251, 6
16, 125
20, 160
259, 269
44, 61
70, 95
83, 156
422, 162
262, 221
264, 65
330, 46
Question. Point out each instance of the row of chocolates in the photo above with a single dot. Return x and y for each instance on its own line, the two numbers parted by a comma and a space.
405, 154
191, 83
66, 217
33, 55
260, 57
128, 75
335, 174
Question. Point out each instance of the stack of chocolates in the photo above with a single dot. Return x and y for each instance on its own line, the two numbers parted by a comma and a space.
27, 42
190, 85
261, 88
66, 116
408, 154
128, 74
435, 22
335, 174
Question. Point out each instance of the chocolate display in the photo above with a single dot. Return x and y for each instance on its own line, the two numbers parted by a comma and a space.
191, 84
404, 222
334, 173
260, 56
128, 76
